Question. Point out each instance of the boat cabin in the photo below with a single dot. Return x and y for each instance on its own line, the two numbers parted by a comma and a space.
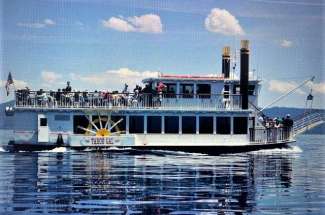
203, 87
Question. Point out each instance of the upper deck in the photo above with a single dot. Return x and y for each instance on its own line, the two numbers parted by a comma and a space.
223, 92
181, 93
126, 101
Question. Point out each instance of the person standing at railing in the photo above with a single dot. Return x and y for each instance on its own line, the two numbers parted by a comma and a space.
125, 90
287, 126
39, 97
24, 96
76, 98
275, 127
147, 95
82, 98
160, 89
58, 97
137, 89
68, 87
261, 119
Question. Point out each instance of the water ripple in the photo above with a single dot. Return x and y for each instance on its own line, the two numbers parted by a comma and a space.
273, 181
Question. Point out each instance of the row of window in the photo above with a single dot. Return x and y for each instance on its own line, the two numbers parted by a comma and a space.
189, 89
205, 89
171, 124
236, 89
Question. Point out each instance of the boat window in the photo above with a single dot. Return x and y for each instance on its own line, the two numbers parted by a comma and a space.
136, 124
236, 89
188, 124
171, 90
251, 90
203, 90
43, 121
206, 125
171, 124
61, 117
223, 125
82, 121
154, 124
240, 125
251, 122
120, 127
226, 91
187, 90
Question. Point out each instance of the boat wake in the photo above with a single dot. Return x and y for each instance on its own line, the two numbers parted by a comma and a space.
57, 149
130, 151
176, 153
284, 150
2, 149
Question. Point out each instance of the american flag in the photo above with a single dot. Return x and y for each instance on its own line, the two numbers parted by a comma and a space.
9, 82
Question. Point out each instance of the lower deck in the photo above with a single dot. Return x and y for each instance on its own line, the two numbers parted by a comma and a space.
143, 129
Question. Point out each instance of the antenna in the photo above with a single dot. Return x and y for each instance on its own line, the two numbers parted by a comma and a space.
289, 92
234, 64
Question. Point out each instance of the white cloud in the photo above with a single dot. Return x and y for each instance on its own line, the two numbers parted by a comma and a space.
286, 43
283, 86
148, 23
112, 79
42, 24
118, 24
49, 22
319, 88
49, 79
19, 84
223, 22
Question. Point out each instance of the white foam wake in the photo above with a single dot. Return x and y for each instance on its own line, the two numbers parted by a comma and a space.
289, 149
58, 149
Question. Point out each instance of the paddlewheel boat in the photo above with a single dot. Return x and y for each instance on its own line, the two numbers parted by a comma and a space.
213, 114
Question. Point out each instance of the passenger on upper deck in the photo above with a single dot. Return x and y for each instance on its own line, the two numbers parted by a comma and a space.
287, 125
137, 89
68, 87
125, 90
161, 87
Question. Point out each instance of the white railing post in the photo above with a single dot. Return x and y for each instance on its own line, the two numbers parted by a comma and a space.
197, 120
145, 125
162, 124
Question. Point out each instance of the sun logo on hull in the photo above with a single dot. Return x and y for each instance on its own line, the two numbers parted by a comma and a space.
103, 132
101, 126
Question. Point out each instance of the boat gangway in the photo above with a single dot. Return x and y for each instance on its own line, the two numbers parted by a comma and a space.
308, 120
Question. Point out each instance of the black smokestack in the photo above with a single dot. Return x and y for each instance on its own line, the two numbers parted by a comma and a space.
226, 62
244, 72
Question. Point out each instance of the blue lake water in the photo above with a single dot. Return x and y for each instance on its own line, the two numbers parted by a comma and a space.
278, 181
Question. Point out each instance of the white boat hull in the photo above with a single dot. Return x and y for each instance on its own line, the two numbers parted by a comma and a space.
211, 144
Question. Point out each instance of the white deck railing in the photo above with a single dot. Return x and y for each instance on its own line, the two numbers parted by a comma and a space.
308, 121
271, 135
52, 100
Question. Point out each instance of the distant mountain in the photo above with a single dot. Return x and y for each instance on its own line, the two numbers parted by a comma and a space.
283, 111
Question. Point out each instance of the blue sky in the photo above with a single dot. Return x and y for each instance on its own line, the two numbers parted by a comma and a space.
101, 44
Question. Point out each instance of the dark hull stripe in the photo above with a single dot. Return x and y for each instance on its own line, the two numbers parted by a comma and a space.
212, 150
